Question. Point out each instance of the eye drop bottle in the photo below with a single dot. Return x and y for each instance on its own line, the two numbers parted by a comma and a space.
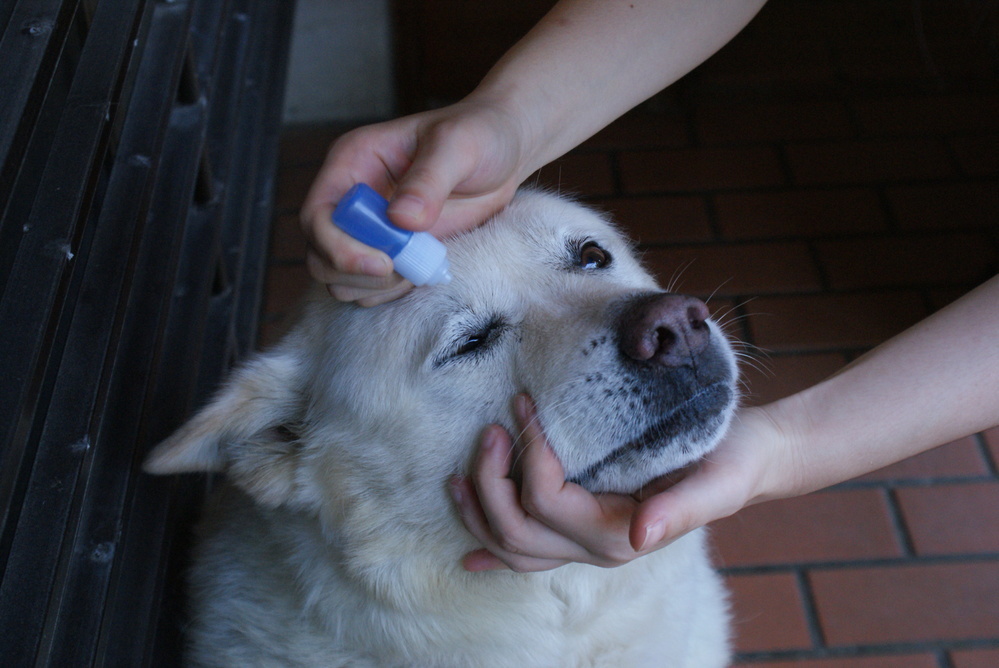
418, 256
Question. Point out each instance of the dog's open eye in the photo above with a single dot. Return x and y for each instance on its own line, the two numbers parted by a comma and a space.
592, 256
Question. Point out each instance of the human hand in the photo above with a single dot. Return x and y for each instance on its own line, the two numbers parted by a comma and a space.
544, 522
445, 170
547, 522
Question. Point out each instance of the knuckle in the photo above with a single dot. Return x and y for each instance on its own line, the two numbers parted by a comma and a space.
683, 522
377, 299
616, 556
519, 566
354, 140
444, 128
608, 563
348, 260
535, 501
529, 501
508, 545
425, 177
342, 293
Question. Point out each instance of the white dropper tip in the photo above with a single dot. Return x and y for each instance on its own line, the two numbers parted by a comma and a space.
423, 261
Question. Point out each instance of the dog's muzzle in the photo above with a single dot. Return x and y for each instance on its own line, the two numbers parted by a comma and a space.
681, 373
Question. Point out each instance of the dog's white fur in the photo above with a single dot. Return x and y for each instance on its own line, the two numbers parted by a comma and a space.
336, 543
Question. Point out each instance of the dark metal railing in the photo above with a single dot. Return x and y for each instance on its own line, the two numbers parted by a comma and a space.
138, 143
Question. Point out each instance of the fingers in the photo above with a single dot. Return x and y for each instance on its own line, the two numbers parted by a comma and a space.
372, 280
548, 522
505, 526
482, 560
336, 253
493, 556
736, 474
598, 524
663, 518
515, 536
444, 171
351, 270
446, 156
715, 489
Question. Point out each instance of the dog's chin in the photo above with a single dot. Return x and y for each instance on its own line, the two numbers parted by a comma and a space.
687, 433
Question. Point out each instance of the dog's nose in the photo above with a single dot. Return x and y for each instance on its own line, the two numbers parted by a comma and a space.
664, 329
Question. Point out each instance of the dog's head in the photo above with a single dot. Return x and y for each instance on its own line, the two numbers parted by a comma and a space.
548, 298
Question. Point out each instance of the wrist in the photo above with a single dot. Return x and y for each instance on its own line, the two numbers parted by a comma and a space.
781, 431
506, 106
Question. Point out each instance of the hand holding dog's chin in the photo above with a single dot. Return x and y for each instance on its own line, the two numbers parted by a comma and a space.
548, 522
563, 523
543, 522
753, 463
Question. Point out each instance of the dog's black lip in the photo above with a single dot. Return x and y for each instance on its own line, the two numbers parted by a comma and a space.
658, 432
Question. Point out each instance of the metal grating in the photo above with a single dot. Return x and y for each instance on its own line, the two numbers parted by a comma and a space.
138, 142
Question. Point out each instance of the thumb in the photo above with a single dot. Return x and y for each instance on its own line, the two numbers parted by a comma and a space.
698, 499
440, 164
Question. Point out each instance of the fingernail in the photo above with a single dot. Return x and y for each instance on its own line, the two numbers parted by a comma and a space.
522, 407
375, 266
653, 534
457, 493
490, 437
480, 560
406, 206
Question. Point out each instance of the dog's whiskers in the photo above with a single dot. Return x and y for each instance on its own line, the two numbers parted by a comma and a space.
674, 281
723, 319
715, 291
576, 412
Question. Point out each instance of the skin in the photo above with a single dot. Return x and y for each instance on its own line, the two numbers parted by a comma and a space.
449, 169
870, 414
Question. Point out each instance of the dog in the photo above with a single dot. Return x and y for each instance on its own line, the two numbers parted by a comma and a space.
334, 541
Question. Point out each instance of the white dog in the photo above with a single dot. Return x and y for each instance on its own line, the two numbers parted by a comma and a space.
336, 542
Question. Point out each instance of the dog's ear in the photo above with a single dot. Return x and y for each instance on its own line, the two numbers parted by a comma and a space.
247, 431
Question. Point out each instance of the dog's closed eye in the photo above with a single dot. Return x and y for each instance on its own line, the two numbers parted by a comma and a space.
474, 341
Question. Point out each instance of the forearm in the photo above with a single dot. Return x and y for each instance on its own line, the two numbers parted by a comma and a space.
589, 61
931, 384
